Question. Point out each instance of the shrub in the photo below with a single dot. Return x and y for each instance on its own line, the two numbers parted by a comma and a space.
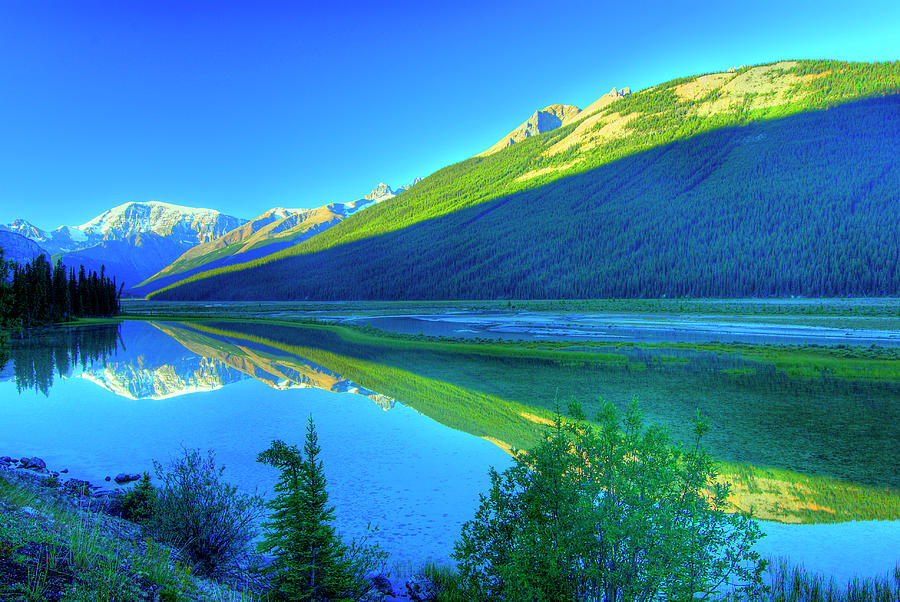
311, 560
609, 513
138, 502
210, 520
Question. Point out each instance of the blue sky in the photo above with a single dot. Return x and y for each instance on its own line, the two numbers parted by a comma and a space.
244, 106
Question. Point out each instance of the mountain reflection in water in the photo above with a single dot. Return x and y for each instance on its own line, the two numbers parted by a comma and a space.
169, 386
159, 367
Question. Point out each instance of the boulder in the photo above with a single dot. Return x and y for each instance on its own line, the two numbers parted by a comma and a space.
6, 459
383, 586
35, 464
123, 478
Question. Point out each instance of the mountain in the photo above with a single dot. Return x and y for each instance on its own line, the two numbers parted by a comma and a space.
543, 120
776, 179
133, 240
267, 364
184, 225
270, 232
18, 248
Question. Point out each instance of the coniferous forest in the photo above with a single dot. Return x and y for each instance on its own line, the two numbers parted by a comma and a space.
802, 205
37, 293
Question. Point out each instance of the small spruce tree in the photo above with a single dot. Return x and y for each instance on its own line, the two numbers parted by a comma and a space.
311, 560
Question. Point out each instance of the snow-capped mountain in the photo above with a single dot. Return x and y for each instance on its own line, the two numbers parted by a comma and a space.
383, 192
131, 241
186, 225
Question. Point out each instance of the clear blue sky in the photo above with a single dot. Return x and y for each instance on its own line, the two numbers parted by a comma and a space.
244, 106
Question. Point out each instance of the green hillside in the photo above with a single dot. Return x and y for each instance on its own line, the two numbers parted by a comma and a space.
724, 184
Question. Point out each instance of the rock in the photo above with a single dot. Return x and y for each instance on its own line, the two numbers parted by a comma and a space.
64, 470
383, 585
35, 464
55, 473
419, 592
6, 459
123, 478
107, 479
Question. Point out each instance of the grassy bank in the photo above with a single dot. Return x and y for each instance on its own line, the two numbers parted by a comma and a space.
826, 308
50, 550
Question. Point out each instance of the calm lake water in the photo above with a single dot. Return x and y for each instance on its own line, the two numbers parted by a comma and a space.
404, 433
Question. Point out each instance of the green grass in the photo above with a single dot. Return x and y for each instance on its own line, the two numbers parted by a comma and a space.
796, 584
787, 583
69, 555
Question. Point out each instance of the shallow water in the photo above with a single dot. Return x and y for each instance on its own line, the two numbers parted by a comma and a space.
413, 477
104, 400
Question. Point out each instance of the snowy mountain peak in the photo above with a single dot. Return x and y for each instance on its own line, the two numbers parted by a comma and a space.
187, 224
380, 193
27, 229
282, 212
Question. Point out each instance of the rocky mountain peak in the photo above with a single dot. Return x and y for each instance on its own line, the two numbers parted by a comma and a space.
380, 193
543, 120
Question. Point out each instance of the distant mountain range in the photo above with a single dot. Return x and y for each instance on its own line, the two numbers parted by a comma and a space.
778, 179
138, 241
274, 230
131, 241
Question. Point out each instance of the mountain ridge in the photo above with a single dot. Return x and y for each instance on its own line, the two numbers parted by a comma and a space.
675, 111
272, 230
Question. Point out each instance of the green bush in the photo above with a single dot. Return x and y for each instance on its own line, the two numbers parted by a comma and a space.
609, 513
210, 520
138, 503
311, 560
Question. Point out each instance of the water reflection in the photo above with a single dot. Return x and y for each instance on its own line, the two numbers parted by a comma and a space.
37, 355
760, 413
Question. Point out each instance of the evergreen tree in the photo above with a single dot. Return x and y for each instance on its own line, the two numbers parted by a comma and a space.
74, 299
312, 562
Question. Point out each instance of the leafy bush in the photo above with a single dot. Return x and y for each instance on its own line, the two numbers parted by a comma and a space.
138, 503
210, 520
609, 513
311, 560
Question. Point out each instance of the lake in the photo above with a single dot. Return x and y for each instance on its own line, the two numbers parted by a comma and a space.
409, 428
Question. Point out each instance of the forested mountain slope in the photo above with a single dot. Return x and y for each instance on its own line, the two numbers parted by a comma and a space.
725, 184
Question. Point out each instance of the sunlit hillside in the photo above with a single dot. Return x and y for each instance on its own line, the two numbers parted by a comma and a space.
762, 181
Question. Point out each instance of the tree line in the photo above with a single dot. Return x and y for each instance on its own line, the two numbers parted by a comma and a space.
37, 293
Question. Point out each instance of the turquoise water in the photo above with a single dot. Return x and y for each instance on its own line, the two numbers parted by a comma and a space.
107, 399
414, 478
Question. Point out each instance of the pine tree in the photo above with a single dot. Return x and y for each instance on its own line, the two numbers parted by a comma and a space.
312, 562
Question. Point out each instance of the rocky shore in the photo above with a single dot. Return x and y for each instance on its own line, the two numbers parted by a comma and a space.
33, 475
102, 507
